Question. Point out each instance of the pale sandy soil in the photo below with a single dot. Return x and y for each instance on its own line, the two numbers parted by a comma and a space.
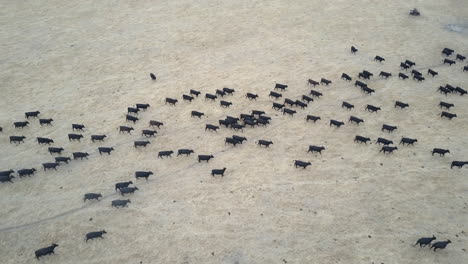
86, 61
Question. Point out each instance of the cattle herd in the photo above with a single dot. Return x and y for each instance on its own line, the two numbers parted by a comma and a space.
238, 123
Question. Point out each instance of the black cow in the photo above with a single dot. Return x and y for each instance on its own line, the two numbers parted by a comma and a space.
447, 51
50, 165
45, 251
197, 114
353, 50
289, 102
263, 122
367, 73
408, 141
315, 93
402, 76
105, 150
195, 92
187, 98
418, 78
211, 128
431, 72
228, 90
26, 172
239, 138
140, 143
251, 96
98, 137
186, 152
460, 57
258, 112
385, 74
225, 123
277, 106
410, 63
225, 104
465, 68
231, 141
289, 111
148, 133
401, 104
440, 245
424, 241
275, 95
142, 106
126, 190
78, 127
372, 108
121, 185
388, 149
356, 120
6, 173
307, 98
265, 143
316, 149
281, 86
142, 174
153, 77
250, 122
443, 90
312, 82
347, 105
62, 159
124, 129
218, 172
93, 235
17, 139
450, 87
53, 150
460, 90
237, 127
131, 118
361, 139
449, 62
458, 164
336, 123
448, 115
170, 101
404, 66
153, 123
41, 140
132, 110
378, 58
74, 137
384, 141
31, 114
303, 164
246, 116
6, 178
346, 77
325, 81
415, 72
220, 92
168, 153
20, 124
205, 157
364, 76
80, 155
91, 196
440, 151
120, 203
367, 90
210, 96
388, 128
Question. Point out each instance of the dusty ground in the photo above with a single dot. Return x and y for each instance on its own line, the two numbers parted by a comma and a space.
86, 61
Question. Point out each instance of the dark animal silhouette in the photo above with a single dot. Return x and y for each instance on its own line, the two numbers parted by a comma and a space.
45, 251
424, 241
440, 245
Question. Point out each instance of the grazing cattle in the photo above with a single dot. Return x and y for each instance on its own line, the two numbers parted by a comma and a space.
74, 137
431, 72
387, 149
316, 149
408, 141
450, 87
80, 155
277, 106
445, 105
211, 128
131, 118
258, 112
197, 114
121, 185
364, 76
246, 116
410, 63
250, 122
448, 115
6, 178
91, 196
449, 62
458, 164
265, 143
50, 165
404, 66
440, 245
132, 110
105, 150
301, 104
347, 105
367, 73
153, 77
139, 143
45, 251
231, 141
237, 127
78, 127
124, 129
384, 141
93, 235
275, 95
225, 104
186, 152
6, 173
171, 101
32, 114
447, 51
356, 120
443, 90
418, 78
460, 90
307, 98
401, 104
388, 128
440, 151
424, 241
353, 50
26, 172
367, 90
218, 172
402, 76
41, 140
239, 138
126, 190
187, 98
289, 112
336, 123
148, 133
303, 164
168, 153
378, 58
385, 74
225, 123
289, 102
372, 108
312, 82
346, 77
251, 96
17, 139
153, 123
281, 86
465, 68
143, 174
205, 158
194, 92
360, 84
315, 93
415, 72
414, 12
20, 124
220, 92
325, 81
361, 139
228, 90
210, 96
460, 57
120, 203
53, 150
142, 106
98, 137
62, 159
